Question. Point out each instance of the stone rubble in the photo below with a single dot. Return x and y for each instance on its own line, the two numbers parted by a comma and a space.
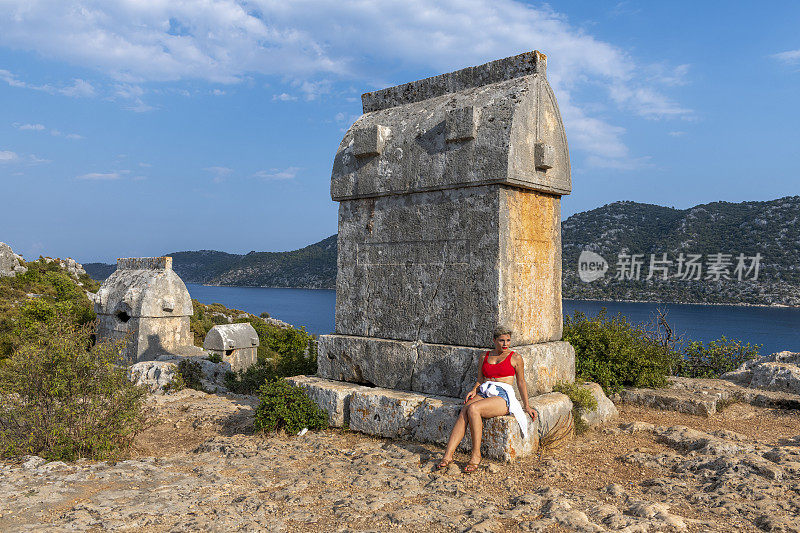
686, 480
777, 372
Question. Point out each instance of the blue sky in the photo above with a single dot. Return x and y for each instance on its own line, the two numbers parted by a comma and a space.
137, 128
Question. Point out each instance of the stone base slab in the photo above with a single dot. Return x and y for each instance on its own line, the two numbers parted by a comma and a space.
437, 369
427, 418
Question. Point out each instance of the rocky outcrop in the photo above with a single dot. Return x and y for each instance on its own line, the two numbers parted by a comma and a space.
10, 263
777, 372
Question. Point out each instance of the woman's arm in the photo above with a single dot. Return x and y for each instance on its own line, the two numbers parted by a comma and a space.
519, 366
481, 378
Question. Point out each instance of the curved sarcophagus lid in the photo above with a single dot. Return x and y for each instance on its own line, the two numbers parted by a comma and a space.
494, 123
144, 287
224, 337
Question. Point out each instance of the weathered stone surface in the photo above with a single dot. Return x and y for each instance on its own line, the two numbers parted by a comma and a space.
405, 415
212, 375
672, 400
146, 304
449, 221
157, 376
512, 109
434, 368
421, 417
606, 410
237, 344
333, 397
9, 264
445, 267
778, 372
553, 409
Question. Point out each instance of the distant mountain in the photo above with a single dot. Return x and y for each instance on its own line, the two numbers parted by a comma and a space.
771, 229
312, 267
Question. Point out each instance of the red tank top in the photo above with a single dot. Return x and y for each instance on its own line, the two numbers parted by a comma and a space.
503, 369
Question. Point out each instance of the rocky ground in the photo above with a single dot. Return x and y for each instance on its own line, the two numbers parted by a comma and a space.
197, 467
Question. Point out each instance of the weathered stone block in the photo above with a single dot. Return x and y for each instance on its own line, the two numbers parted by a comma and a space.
369, 141
407, 415
606, 410
434, 368
460, 124
236, 344
553, 408
446, 267
516, 107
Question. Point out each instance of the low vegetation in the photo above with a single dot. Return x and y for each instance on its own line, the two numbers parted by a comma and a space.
286, 407
38, 296
582, 401
63, 396
617, 354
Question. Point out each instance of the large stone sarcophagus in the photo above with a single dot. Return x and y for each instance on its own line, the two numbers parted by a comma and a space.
449, 224
147, 304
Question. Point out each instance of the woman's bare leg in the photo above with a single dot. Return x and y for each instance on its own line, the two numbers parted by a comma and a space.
476, 412
458, 431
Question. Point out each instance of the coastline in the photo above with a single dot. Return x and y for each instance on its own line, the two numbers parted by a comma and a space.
743, 304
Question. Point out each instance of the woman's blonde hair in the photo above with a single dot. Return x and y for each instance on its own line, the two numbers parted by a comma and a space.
501, 330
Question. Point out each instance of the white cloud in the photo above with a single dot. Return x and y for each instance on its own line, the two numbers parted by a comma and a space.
283, 97
41, 127
220, 173
100, 176
790, 57
676, 133
277, 174
78, 89
6, 156
311, 44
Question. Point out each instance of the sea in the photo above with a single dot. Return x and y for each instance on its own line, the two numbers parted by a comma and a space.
774, 328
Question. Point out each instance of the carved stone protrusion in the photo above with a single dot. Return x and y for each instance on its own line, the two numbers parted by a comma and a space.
460, 124
544, 156
369, 141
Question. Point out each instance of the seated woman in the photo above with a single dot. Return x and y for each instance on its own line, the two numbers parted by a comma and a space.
493, 395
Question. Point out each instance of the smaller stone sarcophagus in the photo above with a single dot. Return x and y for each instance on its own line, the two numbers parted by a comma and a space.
145, 303
237, 344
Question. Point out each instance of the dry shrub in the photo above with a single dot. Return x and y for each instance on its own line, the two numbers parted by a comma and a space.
63, 397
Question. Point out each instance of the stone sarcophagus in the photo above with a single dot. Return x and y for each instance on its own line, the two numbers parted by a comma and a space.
236, 344
449, 224
145, 303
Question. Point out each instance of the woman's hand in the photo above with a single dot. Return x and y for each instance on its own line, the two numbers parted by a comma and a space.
470, 395
532, 413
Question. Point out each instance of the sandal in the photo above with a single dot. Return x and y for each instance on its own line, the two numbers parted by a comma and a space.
443, 464
471, 467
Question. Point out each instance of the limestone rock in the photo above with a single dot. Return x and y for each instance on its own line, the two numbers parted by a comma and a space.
156, 375
553, 409
437, 369
606, 410
778, 372
10, 265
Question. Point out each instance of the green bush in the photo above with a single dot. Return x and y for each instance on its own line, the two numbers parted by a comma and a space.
616, 354
711, 360
214, 358
284, 406
283, 352
582, 400
191, 374
63, 397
